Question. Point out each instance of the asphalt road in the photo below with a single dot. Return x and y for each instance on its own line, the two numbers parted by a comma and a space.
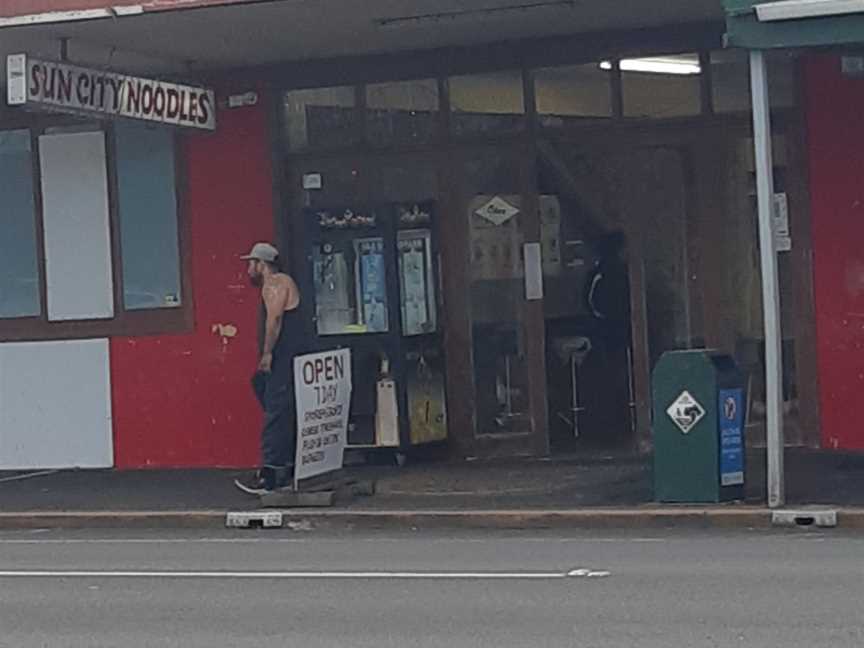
309, 590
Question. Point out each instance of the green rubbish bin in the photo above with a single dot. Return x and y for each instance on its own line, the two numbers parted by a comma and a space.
699, 445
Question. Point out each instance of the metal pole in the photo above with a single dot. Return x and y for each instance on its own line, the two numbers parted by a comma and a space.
770, 285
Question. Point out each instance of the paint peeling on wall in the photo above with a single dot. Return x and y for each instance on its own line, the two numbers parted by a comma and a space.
226, 331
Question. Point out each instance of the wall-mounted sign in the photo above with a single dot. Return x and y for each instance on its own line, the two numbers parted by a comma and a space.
313, 181
782, 236
67, 88
686, 412
496, 240
731, 404
532, 253
497, 210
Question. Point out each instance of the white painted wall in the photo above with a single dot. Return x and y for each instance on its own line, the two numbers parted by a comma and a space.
55, 405
77, 226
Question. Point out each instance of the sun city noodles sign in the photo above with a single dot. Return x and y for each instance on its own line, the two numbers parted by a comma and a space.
68, 88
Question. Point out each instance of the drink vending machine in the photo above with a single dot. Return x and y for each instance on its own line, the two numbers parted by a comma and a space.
372, 273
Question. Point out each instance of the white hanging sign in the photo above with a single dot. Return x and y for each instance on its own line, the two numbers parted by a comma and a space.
45, 85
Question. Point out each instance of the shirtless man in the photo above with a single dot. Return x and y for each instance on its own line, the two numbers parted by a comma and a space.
280, 335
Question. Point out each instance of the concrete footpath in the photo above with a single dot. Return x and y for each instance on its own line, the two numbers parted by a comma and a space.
593, 492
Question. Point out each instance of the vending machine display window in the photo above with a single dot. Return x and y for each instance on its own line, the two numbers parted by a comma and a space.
416, 282
349, 273
371, 283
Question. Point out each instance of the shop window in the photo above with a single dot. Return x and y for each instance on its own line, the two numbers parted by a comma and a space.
730, 77
661, 87
407, 179
321, 118
572, 95
19, 270
147, 210
402, 113
76, 222
106, 253
487, 104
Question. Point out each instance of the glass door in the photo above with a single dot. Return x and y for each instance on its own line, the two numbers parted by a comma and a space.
614, 236
498, 214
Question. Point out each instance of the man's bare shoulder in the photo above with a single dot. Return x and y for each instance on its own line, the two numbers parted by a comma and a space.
285, 279
285, 286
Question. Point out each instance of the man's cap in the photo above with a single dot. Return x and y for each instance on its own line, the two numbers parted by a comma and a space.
262, 252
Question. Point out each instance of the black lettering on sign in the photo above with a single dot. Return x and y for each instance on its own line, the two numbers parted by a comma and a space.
314, 457
82, 89
184, 106
37, 75
308, 373
311, 444
96, 82
50, 82
173, 108
206, 108
116, 92
339, 366
147, 99
193, 106
133, 97
97, 98
64, 89
159, 101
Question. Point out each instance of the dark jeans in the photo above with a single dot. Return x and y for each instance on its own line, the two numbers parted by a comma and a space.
275, 393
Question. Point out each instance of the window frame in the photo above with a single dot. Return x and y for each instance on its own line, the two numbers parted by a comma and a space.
124, 323
368, 71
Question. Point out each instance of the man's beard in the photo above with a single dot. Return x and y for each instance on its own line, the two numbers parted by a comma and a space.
256, 280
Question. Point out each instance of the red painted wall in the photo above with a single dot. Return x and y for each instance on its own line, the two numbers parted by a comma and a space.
836, 140
185, 400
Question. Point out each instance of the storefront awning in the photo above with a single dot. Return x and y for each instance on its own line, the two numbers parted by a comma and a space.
178, 36
769, 24
17, 13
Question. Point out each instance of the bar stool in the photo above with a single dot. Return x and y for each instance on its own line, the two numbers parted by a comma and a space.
573, 349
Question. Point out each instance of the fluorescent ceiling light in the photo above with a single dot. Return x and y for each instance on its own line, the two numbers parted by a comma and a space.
478, 13
796, 9
656, 66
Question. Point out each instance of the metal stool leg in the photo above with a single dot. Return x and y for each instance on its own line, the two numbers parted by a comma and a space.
574, 405
631, 391
509, 386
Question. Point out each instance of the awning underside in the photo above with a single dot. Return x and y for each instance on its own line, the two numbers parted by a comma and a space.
764, 24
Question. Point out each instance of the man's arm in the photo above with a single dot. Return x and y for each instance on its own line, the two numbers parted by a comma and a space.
275, 299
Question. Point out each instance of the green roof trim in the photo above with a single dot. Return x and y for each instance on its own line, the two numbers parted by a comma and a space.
743, 29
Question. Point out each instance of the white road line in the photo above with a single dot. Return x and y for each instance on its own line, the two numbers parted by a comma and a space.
283, 575
589, 573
